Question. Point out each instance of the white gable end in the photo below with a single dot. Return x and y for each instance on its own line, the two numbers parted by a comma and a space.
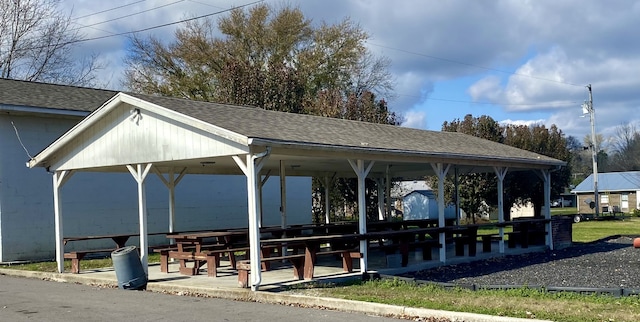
123, 136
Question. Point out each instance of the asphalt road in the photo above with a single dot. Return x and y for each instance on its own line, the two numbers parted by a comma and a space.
25, 299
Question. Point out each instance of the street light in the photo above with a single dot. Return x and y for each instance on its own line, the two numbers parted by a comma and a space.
587, 108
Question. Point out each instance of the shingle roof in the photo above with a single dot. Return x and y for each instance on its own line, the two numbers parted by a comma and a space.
42, 95
611, 181
307, 129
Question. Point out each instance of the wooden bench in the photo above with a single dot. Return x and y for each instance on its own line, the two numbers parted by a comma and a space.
461, 241
425, 245
119, 240
208, 255
347, 255
76, 256
244, 267
527, 231
524, 238
487, 240
164, 255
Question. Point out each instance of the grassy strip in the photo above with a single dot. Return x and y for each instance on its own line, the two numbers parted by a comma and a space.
589, 231
522, 303
84, 264
564, 211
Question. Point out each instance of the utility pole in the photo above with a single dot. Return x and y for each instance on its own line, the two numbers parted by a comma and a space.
587, 107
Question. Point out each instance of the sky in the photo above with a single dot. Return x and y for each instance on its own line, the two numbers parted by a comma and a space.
517, 61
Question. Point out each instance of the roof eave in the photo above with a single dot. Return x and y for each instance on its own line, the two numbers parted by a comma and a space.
553, 163
41, 110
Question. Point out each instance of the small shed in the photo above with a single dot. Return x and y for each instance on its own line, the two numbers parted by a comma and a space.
423, 204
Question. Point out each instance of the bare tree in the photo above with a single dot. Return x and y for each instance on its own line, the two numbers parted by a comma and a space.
626, 149
36, 42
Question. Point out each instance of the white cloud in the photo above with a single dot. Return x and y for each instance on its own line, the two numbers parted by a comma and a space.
546, 81
488, 88
430, 41
415, 119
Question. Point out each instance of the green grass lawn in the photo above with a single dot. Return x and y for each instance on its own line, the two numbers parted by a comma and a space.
587, 231
85, 264
564, 211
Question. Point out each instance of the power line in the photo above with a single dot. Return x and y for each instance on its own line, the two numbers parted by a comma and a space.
143, 29
473, 65
205, 4
110, 20
107, 10
127, 16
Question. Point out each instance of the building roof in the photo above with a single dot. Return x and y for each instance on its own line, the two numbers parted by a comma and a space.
310, 144
401, 188
611, 181
272, 127
426, 193
51, 96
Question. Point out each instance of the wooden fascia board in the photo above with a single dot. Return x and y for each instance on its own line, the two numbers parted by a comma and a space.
309, 150
20, 109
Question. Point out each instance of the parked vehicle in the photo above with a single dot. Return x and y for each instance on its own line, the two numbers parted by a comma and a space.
560, 203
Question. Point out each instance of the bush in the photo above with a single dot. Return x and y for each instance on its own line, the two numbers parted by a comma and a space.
635, 213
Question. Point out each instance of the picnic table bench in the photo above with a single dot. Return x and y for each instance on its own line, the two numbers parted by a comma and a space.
76, 256
465, 235
487, 240
526, 232
209, 253
407, 239
120, 240
204, 247
303, 264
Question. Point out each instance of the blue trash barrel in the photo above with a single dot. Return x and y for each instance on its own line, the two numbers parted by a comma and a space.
129, 271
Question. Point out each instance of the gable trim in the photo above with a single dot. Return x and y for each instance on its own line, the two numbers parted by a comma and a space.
42, 158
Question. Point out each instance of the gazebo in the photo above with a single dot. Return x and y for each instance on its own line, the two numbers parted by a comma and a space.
174, 137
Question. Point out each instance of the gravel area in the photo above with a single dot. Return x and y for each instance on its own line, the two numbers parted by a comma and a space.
609, 263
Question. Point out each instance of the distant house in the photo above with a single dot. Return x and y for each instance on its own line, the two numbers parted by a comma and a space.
32, 115
617, 190
423, 204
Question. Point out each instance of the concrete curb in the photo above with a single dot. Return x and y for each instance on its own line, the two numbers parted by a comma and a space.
277, 298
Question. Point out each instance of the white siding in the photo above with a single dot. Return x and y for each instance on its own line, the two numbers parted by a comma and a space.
152, 136
101, 203
26, 211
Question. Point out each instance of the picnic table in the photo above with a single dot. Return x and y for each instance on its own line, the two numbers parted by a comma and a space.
303, 264
204, 247
526, 231
465, 235
120, 240
404, 240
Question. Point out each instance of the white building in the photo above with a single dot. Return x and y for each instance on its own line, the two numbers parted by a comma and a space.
32, 115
